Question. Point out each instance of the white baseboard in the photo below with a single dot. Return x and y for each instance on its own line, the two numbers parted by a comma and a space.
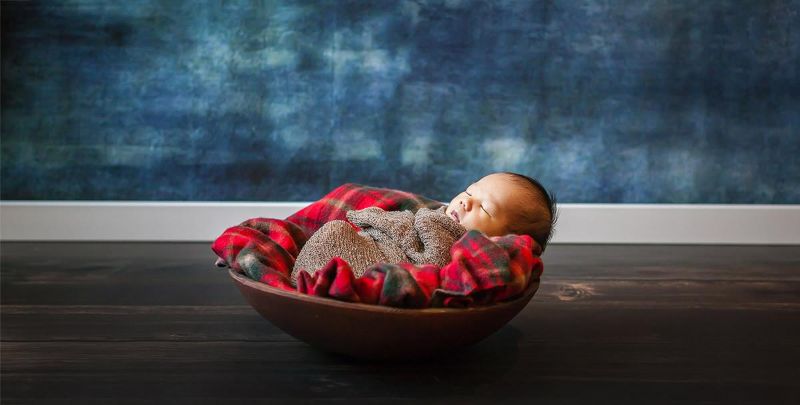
577, 223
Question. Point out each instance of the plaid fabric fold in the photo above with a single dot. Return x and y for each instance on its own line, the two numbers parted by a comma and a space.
351, 196
482, 270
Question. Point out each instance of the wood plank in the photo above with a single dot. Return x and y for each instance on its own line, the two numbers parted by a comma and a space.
97, 262
536, 323
143, 322
764, 292
752, 303
39, 322
289, 370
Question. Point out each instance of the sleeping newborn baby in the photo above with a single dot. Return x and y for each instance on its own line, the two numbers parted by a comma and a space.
498, 204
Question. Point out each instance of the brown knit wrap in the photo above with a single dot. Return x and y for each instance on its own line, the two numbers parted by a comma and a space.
386, 237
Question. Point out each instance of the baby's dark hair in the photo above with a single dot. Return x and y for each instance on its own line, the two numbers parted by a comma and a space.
529, 221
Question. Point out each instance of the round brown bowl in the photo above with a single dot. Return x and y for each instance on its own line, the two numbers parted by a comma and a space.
375, 331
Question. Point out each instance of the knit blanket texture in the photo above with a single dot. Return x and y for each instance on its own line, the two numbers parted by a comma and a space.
424, 237
482, 270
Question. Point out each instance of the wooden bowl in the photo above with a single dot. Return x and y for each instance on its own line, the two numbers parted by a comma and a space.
374, 331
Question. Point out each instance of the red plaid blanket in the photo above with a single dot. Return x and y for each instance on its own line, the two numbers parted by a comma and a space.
482, 269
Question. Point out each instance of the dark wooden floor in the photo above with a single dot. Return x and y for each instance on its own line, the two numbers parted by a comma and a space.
157, 322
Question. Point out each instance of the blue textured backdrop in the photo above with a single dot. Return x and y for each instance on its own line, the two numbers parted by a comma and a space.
603, 101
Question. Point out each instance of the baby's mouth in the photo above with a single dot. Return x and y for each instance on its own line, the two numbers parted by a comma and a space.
454, 214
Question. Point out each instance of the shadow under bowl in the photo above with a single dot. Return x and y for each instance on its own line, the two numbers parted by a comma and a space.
375, 331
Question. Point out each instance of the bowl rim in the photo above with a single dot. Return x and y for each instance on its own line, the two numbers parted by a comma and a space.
530, 290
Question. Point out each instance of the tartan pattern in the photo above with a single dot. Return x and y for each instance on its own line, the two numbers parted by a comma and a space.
351, 196
482, 269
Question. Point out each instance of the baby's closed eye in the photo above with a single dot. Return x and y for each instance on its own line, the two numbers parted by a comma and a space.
481, 205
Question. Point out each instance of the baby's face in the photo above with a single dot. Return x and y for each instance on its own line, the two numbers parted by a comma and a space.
487, 205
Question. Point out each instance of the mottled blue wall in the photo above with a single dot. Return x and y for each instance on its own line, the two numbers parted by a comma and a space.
604, 101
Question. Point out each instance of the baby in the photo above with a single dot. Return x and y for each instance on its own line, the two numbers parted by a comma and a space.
498, 204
